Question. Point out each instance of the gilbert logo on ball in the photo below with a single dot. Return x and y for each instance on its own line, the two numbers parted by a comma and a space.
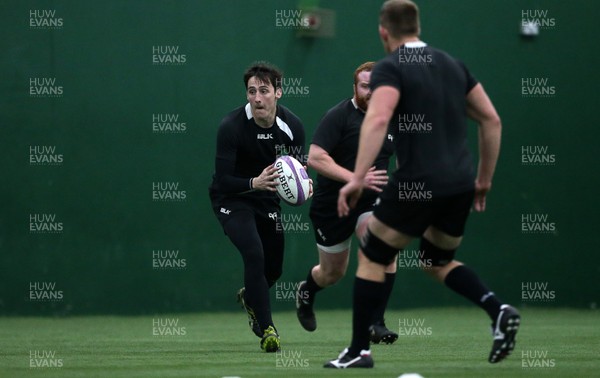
293, 183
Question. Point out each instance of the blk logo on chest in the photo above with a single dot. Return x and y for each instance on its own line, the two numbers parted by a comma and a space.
264, 136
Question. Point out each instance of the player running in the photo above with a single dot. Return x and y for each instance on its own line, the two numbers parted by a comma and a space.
243, 190
332, 154
416, 80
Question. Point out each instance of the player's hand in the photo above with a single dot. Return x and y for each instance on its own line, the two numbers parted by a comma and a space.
310, 181
349, 196
376, 179
267, 180
481, 190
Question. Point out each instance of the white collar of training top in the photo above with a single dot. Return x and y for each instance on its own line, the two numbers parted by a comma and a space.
415, 44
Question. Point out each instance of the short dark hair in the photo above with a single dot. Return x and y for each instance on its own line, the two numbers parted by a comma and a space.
367, 66
264, 72
400, 18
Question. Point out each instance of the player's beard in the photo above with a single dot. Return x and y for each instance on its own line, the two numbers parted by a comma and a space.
362, 101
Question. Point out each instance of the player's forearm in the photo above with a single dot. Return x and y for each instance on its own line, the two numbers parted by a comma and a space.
326, 166
489, 149
372, 135
227, 181
228, 184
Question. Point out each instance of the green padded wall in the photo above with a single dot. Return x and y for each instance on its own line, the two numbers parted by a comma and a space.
96, 133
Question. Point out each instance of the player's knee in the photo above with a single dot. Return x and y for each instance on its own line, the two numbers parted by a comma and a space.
434, 258
376, 250
332, 274
442, 239
273, 276
254, 264
252, 254
271, 281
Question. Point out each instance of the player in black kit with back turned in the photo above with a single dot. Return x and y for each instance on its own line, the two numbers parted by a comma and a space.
431, 193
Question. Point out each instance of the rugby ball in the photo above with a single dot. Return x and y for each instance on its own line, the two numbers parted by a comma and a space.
293, 183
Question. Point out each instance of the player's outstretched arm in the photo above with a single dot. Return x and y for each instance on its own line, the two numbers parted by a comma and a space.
482, 111
320, 160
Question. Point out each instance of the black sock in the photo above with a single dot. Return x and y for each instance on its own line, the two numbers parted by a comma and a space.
312, 288
367, 297
465, 282
380, 311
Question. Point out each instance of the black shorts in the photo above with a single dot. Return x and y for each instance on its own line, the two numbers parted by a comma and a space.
329, 228
254, 227
447, 214
263, 209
